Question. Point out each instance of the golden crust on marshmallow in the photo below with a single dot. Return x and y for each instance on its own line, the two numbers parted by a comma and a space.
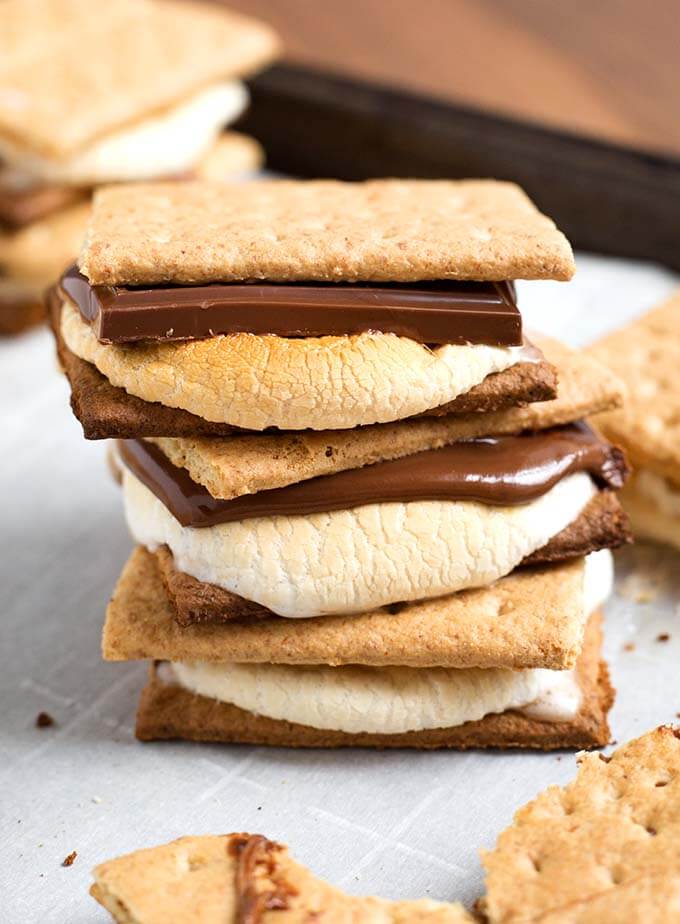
320, 383
379, 230
232, 466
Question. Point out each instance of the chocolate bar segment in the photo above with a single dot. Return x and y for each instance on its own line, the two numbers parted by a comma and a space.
428, 312
505, 470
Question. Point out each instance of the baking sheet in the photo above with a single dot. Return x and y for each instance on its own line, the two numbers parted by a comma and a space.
399, 824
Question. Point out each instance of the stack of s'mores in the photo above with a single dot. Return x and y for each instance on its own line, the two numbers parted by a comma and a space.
367, 508
134, 90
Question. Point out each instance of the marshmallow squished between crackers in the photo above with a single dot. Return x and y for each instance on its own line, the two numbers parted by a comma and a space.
646, 356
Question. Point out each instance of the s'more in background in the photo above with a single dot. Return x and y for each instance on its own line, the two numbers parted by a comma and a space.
131, 90
646, 356
367, 508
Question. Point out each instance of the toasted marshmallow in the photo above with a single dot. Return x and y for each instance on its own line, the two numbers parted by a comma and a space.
318, 383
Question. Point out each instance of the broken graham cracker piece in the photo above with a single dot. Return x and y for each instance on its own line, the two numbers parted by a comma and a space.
167, 711
532, 618
325, 230
244, 464
646, 356
582, 854
601, 525
241, 879
132, 59
603, 848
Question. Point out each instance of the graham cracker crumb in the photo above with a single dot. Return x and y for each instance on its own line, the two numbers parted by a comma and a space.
70, 859
44, 720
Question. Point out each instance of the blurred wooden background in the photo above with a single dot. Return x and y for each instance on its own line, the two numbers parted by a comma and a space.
608, 68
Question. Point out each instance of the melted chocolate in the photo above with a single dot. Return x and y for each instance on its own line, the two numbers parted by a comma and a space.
428, 312
507, 471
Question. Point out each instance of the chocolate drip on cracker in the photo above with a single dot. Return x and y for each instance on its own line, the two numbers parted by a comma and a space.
505, 471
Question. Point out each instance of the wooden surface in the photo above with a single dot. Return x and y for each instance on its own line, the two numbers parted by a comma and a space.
604, 67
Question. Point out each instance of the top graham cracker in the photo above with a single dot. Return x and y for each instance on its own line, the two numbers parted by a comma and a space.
73, 70
646, 356
322, 230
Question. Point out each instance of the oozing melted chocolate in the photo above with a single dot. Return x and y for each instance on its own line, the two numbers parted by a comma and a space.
506, 471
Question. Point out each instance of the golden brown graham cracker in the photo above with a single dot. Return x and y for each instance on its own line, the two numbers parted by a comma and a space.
646, 356
241, 879
531, 618
601, 525
243, 464
169, 711
603, 848
80, 76
327, 230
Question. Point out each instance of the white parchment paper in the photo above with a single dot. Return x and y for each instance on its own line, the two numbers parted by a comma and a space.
396, 824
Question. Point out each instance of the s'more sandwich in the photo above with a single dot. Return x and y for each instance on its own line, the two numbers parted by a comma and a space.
367, 508
646, 356
138, 90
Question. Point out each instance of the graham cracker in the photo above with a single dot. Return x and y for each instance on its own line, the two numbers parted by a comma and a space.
246, 464
241, 879
602, 525
106, 411
41, 251
599, 848
286, 230
79, 76
646, 355
232, 153
168, 711
531, 618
